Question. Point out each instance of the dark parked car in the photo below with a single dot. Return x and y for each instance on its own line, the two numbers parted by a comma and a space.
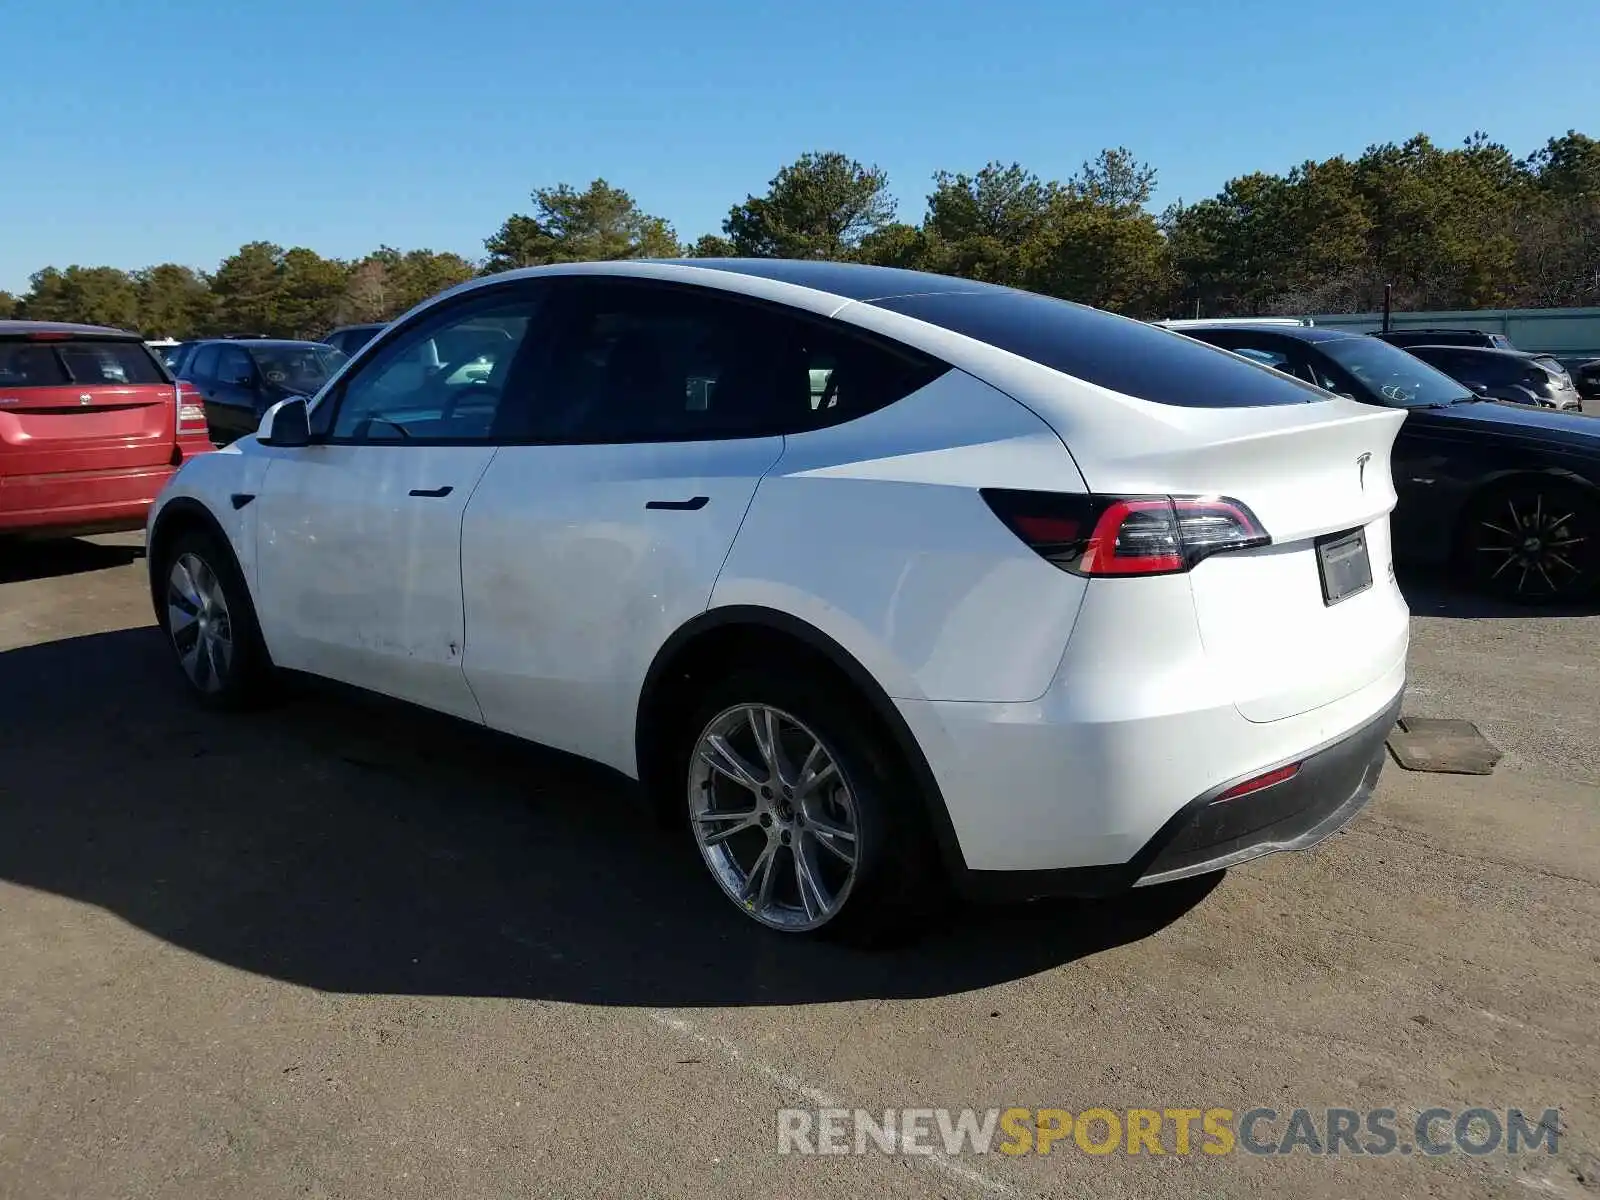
1508, 494
1512, 375
350, 338
174, 356
1446, 337
239, 379
1585, 372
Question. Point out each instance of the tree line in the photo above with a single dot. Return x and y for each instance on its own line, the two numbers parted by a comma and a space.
1469, 227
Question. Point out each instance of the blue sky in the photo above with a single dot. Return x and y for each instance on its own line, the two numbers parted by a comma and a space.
139, 133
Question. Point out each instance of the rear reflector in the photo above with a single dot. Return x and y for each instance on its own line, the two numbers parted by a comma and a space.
1266, 780
1126, 535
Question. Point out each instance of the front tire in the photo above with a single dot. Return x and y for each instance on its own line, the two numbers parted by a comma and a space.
801, 819
1532, 541
205, 610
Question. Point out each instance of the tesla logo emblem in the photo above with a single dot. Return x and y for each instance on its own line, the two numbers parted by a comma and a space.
1361, 469
85, 398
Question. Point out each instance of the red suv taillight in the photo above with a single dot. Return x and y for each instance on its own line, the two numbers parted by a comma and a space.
1126, 535
191, 411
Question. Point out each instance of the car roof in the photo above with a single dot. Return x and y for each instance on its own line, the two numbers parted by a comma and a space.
246, 343
843, 282
1500, 350
1302, 333
22, 328
850, 281
1436, 329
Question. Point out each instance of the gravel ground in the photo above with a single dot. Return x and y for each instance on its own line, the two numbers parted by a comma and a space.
339, 949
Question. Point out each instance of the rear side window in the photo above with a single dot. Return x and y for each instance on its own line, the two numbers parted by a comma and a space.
639, 363
87, 363
1113, 352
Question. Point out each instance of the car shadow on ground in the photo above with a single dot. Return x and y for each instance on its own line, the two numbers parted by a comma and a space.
22, 560
359, 846
1433, 592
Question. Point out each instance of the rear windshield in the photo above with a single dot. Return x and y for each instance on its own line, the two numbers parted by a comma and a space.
1125, 356
60, 364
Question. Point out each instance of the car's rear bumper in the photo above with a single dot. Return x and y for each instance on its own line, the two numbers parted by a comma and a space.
79, 502
1333, 783
1330, 786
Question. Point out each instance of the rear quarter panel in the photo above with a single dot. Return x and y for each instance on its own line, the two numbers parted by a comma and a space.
874, 533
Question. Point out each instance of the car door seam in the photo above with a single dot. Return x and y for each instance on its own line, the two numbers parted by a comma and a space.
783, 448
461, 580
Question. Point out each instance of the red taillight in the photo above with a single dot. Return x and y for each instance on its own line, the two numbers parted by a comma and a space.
191, 411
1265, 780
1126, 535
45, 335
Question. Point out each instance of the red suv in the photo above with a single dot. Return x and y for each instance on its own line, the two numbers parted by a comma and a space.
91, 427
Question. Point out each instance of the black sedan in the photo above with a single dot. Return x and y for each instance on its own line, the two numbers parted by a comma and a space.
239, 380
1507, 493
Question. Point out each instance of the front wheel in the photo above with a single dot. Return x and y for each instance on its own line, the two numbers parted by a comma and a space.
205, 609
1533, 541
799, 817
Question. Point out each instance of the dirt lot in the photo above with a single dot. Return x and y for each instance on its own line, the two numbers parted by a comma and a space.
337, 950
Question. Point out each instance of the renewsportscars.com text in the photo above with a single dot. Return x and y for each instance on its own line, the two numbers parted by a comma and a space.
1161, 1131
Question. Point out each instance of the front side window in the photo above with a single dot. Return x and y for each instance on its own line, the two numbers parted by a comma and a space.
443, 377
204, 363
233, 367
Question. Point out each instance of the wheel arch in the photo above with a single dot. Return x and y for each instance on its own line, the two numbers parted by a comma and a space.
1487, 485
714, 638
179, 514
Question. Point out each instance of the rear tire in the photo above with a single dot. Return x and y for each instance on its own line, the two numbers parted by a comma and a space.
204, 608
818, 837
1532, 541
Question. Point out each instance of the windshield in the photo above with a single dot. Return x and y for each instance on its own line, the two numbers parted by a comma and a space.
1391, 375
301, 369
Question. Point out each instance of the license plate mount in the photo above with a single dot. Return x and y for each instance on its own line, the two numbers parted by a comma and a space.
1344, 565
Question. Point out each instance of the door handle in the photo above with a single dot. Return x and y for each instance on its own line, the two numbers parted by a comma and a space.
689, 505
433, 493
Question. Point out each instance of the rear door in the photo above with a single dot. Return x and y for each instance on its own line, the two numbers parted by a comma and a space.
70, 403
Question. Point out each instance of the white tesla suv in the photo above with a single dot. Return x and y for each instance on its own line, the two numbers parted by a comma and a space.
873, 578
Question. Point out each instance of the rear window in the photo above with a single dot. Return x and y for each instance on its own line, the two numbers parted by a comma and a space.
1113, 352
88, 363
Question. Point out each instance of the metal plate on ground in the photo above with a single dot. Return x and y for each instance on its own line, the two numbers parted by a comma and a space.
1447, 746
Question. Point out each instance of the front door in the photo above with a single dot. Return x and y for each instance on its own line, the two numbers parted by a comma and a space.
651, 425
359, 534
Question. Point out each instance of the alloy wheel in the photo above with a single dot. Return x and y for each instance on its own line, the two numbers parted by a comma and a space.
1537, 547
774, 816
198, 622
